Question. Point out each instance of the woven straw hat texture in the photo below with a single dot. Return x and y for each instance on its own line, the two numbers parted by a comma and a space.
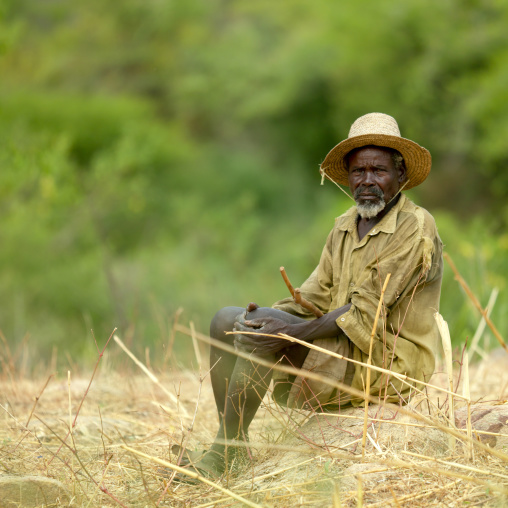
380, 130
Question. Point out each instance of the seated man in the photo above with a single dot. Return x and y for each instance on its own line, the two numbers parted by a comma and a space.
385, 233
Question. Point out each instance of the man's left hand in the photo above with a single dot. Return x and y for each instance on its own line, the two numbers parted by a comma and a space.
260, 344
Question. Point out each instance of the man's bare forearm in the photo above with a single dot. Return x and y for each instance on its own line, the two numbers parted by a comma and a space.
319, 328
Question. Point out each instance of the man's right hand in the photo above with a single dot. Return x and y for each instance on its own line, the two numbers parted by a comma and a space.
262, 345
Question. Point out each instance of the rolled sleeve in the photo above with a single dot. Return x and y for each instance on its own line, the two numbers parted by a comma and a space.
356, 332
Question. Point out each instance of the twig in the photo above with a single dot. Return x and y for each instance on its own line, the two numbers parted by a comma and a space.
192, 474
369, 363
475, 301
297, 296
286, 280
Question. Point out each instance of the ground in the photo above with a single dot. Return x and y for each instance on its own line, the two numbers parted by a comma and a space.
299, 458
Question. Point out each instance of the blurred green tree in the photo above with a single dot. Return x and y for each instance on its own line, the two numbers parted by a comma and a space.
157, 154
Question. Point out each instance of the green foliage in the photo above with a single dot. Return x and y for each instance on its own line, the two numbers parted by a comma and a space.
480, 257
163, 154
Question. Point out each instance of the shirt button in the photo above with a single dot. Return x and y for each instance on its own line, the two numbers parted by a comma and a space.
352, 284
343, 319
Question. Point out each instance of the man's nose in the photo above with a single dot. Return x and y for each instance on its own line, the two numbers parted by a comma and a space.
368, 178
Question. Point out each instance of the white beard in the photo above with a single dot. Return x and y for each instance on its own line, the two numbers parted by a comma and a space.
368, 210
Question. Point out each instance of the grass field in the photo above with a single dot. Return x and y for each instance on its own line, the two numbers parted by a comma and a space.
105, 434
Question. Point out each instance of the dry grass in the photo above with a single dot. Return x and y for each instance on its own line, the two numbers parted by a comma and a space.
123, 427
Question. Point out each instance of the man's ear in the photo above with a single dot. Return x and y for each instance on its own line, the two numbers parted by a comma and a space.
402, 173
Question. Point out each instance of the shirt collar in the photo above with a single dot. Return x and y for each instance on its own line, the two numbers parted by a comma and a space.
388, 224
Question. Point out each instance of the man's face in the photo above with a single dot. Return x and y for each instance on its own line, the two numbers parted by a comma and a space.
373, 179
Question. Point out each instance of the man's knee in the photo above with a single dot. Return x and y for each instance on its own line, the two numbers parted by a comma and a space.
223, 321
225, 318
263, 312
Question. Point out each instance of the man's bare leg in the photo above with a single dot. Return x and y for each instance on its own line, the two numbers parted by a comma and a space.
239, 385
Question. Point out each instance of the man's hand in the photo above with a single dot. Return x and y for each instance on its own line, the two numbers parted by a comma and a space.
260, 344
251, 307
325, 326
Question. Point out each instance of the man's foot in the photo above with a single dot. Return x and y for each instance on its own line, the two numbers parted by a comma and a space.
189, 465
187, 457
214, 464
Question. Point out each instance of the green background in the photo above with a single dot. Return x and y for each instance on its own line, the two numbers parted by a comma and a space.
163, 154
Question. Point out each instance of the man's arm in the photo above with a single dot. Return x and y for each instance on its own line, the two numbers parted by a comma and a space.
325, 326
308, 331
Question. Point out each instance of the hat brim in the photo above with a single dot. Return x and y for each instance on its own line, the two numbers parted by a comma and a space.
417, 158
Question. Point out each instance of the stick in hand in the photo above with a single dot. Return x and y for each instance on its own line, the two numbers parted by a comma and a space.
297, 296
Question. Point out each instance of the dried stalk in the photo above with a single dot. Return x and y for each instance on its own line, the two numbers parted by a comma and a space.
70, 415
406, 424
341, 386
336, 496
192, 474
149, 374
297, 296
279, 471
98, 487
217, 502
395, 499
37, 400
447, 349
415, 496
481, 326
369, 363
171, 341
195, 345
402, 377
475, 301
456, 464
101, 354
466, 393
359, 496
83, 466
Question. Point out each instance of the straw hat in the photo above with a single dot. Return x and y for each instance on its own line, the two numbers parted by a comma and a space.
380, 130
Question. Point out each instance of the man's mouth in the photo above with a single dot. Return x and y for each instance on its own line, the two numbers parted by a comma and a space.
369, 196
364, 194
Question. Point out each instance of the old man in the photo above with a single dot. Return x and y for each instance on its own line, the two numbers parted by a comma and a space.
385, 233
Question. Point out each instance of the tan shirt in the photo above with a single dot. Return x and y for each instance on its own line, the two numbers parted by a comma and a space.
406, 244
